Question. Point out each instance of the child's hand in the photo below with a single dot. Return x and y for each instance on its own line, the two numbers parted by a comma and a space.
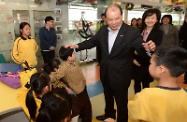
68, 90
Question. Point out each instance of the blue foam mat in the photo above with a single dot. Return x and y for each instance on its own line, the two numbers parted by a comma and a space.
9, 67
95, 89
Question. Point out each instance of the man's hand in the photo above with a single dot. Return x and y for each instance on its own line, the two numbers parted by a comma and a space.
149, 46
52, 48
74, 46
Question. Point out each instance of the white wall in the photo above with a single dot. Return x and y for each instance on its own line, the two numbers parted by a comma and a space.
8, 23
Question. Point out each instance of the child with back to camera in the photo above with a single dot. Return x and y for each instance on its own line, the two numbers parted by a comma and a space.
30, 98
167, 101
56, 107
51, 68
74, 81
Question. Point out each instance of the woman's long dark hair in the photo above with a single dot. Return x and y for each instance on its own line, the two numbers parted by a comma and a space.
56, 106
37, 82
150, 12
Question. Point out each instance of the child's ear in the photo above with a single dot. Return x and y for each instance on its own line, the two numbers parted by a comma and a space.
46, 89
55, 69
162, 69
67, 119
69, 58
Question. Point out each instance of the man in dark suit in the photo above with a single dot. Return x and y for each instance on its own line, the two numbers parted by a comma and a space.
118, 42
98, 50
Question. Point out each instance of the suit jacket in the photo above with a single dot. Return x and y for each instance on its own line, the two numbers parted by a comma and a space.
156, 36
172, 37
141, 72
116, 67
183, 36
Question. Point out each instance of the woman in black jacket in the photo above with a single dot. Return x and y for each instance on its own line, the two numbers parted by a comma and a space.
149, 31
183, 34
183, 40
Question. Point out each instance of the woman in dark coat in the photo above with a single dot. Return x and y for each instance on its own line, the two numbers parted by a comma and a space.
149, 31
183, 34
171, 34
183, 40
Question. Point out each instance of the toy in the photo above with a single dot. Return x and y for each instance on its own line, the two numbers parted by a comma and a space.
10, 79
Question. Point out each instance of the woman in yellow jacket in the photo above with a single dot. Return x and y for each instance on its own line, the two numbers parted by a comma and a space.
30, 98
25, 47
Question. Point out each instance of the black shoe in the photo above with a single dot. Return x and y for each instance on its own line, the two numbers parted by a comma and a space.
101, 117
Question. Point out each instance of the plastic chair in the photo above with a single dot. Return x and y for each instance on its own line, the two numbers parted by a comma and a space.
2, 59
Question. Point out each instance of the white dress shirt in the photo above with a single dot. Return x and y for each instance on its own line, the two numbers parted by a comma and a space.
112, 37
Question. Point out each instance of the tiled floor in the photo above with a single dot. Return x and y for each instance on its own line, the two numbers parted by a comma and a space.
95, 89
91, 72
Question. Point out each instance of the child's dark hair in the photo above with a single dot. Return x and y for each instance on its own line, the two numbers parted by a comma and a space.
150, 12
56, 106
172, 57
48, 18
49, 67
64, 53
22, 25
37, 82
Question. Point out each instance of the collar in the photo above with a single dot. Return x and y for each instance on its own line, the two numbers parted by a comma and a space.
117, 29
24, 37
169, 88
166, 25
145, 31
34, 95
67, 62
46, 28
40, 98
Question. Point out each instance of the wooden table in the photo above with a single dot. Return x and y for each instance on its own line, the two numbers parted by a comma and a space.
8, 98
